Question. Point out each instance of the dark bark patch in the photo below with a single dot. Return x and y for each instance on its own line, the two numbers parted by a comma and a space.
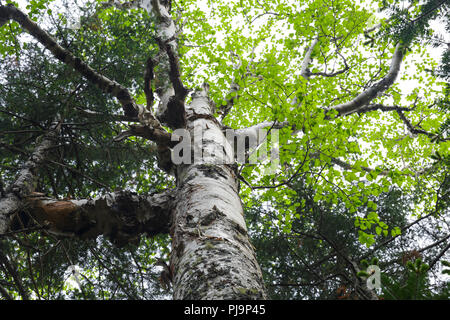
213, 215
247, 293
179, 249
174, 115
215, 270
236, 226
212, 171
20, 220
190, 177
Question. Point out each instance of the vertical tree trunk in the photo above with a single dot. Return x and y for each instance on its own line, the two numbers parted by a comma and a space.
212, 257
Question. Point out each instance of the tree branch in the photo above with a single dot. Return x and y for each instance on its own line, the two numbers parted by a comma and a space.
347, 166
5, 293
118, 117
225, 109
130, 107
439, 256
360, 285
330, 75
170, 89
412, 128
174, 72
405, 228
17, 280
160, 137
122, 6
148, 77
371, 93
378, 106
122, 216
305, 73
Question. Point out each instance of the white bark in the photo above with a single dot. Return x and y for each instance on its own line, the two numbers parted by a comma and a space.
307, 59
212, 257
368, 95
169, 86
121, 216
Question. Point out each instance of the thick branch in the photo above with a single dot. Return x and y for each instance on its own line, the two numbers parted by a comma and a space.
148, 78
122, 216
262, 125
225, 109
95, 114
305, 73
170, 89
381, 107
122, 6
175, 71
160, 137
371, 93
255, 135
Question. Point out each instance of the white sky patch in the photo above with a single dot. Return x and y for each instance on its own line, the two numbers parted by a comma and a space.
73, 278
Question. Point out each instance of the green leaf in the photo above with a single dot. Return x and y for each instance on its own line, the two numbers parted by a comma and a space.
378, 230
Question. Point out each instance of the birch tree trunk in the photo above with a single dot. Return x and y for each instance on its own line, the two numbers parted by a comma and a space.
212, 257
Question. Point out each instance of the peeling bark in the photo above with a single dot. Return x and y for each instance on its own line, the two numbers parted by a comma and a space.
170, 88
121, 216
